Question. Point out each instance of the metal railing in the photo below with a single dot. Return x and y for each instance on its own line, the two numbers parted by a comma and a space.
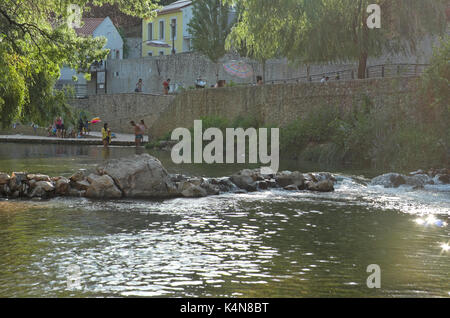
80, 90
374, 71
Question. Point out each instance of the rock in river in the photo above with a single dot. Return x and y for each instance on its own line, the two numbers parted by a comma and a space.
4, 178
139, 177
102, 187
62, 186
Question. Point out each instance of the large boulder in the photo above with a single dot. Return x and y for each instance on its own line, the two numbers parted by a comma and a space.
42, 189
389, 180
16, 180
444, 178
82, 185
321, 186
224, 184
190, 189
246, 180
140, 176
75, 193
287, 178
38, 192
4, 178
62, 186
47, 186
38, 177
211, 189
102, 187
80, 175
5, 190
418, 180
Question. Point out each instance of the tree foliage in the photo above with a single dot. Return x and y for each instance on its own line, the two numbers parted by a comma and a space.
309, 31
209, 27
35, 42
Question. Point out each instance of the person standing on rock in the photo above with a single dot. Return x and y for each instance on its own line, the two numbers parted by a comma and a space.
106, 135
137, 133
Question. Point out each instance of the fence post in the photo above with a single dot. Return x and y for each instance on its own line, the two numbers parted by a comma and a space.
367, 72
398, 69
382, 71
353, 74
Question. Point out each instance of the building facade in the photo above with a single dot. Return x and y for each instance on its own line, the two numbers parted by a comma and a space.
95, 27
168, 33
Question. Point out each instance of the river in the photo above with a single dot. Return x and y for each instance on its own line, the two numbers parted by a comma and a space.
265, 244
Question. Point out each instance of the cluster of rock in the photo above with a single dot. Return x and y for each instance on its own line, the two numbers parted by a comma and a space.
417, 179
144, 177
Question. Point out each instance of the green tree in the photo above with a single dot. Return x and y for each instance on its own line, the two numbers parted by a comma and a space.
209, 27
36, 40
309, 31
255, 36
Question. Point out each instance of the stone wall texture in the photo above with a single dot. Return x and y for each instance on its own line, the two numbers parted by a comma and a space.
280, 104
119, 109
276, 104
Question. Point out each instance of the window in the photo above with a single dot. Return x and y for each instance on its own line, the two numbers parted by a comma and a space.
161, 30
187, 45
161, 53
173, 31
117, 54
150, 53
150, 31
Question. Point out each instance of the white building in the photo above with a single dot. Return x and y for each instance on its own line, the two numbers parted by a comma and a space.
95, 27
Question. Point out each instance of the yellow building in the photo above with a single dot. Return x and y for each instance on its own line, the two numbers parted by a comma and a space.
168, 27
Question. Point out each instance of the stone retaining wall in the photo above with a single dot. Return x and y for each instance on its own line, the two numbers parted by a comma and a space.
119, 109
280, 104
276, 104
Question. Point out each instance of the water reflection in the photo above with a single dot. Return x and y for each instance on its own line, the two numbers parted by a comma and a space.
267, 244
106, 153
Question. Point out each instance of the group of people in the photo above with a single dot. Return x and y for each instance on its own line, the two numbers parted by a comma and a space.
199, 83
57, 129
83, 126
166, 86
139, 132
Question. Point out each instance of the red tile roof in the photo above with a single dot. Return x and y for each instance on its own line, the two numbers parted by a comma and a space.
89, 26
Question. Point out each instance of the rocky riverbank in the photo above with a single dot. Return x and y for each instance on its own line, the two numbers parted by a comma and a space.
143, 176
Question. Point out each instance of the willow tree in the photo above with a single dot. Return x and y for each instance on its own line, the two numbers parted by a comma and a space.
36, 40
310, 31
256, 33
210, 25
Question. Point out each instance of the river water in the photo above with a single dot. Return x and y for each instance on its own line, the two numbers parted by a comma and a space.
266, 244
